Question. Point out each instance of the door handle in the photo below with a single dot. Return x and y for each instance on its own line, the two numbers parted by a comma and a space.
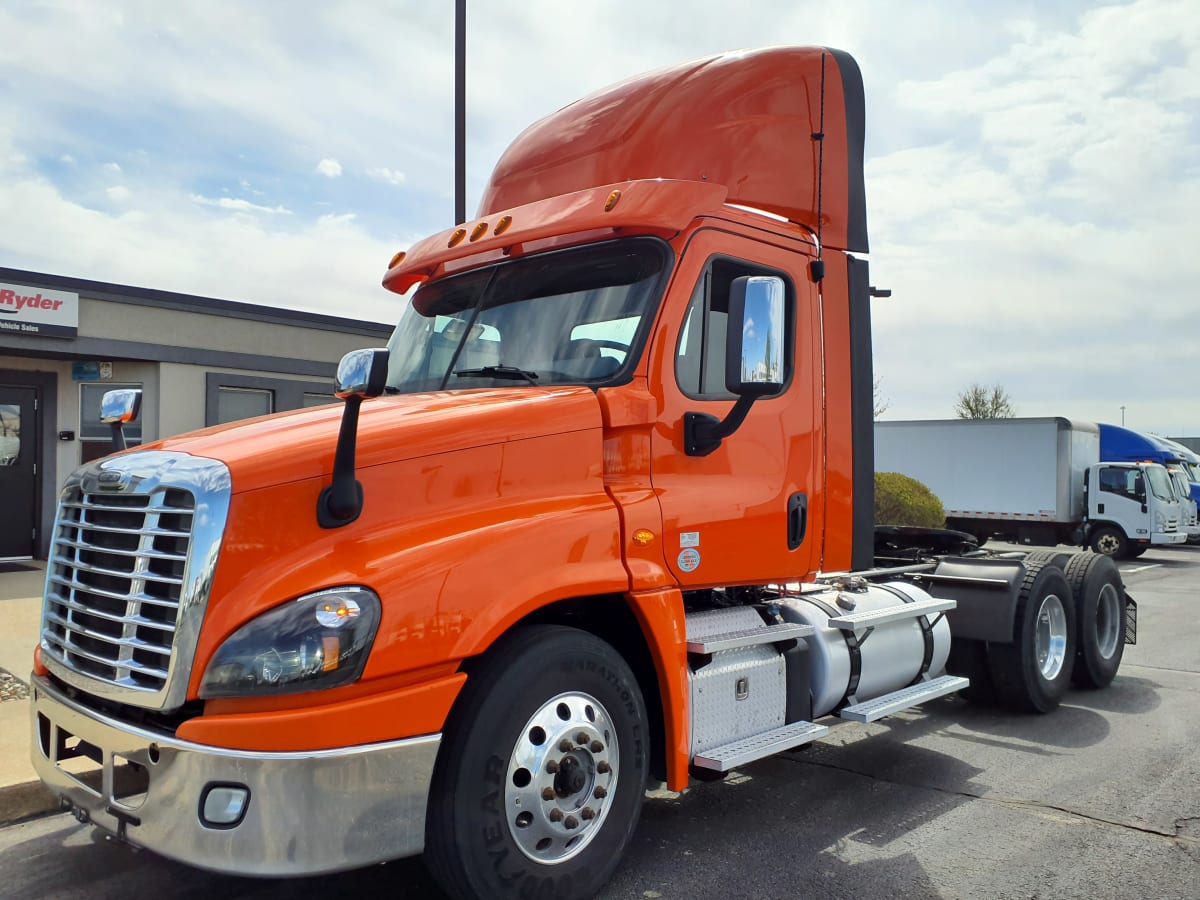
797, 517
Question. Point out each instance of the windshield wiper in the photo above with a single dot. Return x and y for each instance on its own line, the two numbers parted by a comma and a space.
510, 372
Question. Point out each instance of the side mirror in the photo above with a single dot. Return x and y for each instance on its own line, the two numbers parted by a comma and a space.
118, 408
361, 374
755, 338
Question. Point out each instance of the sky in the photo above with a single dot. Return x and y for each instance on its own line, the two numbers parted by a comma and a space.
1032, 168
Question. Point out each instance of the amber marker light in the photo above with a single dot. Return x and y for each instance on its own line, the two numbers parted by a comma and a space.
459, 234
397, 259
643, 537
502, 225
612, 200
479, 231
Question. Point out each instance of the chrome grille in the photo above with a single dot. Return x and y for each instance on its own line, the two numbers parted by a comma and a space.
113, 588
135, 550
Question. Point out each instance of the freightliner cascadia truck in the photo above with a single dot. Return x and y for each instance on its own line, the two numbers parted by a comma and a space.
600, 513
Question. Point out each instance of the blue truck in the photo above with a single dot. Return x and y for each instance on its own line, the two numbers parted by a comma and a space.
1120, 444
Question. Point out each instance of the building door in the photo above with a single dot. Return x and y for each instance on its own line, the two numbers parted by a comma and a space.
18, 470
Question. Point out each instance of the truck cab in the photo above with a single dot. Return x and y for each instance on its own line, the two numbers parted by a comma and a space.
1131, 507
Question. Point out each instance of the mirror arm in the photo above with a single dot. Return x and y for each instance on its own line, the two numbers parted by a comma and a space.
118, 436
342, 501
702, 433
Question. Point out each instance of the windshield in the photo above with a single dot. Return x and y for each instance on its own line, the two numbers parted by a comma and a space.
1157, 476
1182, 489
573, 316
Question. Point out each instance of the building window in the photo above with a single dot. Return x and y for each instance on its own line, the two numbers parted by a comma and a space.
95, 437
233, 396
235, 403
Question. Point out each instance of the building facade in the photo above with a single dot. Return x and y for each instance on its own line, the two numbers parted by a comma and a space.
198, 361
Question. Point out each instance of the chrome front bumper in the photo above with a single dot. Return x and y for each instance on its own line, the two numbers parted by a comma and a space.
307, 813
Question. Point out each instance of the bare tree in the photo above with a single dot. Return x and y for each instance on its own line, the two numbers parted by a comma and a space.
979, 402
881, 402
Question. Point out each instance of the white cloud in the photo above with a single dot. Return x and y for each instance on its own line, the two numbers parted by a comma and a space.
239, 205
330, 168
118, 194
388, 175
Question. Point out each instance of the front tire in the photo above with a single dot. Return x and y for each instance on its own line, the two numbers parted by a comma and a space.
1109, 541
1100, 607
1033, 672
541, 772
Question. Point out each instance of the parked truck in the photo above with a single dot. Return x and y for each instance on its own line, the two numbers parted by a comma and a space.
1034, 481
1118, 443
600, 512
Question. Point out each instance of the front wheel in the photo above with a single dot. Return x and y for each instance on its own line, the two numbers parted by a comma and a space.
542, 769
1110, 541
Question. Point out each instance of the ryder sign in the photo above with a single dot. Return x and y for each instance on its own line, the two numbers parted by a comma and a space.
38, 312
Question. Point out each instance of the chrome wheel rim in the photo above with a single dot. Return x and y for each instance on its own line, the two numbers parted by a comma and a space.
1108, 621
1051, 641
561, 777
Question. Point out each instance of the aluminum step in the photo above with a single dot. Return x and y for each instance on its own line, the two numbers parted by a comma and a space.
746, 750
904, 698
872, 617
731, 640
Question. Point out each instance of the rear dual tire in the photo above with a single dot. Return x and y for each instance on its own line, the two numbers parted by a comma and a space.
1033, 672
1100, 606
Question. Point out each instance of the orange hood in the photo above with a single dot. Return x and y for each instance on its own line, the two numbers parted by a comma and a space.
300, 445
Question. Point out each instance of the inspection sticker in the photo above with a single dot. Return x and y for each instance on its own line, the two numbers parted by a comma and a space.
689, 539
689, 559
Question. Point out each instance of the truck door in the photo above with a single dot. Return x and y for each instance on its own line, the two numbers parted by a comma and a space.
1121, 499
745, 512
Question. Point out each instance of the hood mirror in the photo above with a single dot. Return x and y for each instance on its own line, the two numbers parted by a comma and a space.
361, 374
118, 408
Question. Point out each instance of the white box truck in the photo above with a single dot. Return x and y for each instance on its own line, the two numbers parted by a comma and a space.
1034, 481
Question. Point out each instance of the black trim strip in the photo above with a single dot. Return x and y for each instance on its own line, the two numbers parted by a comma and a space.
856, 129
862, 421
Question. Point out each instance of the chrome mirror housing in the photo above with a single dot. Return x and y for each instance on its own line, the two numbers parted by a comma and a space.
120, 407
362, 374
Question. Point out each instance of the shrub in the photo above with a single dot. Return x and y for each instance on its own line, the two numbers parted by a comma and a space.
900, 500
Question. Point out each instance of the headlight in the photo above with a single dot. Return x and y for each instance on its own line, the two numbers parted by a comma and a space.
1160, 521
318, 641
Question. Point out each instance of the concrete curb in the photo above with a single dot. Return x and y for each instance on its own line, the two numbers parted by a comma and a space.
31, 800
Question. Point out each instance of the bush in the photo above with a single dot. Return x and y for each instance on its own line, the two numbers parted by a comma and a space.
900, 500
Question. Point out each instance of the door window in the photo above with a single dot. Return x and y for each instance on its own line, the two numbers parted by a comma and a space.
700, 356
10, 434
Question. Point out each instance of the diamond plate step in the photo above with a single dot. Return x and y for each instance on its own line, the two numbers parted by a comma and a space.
745, 750
903, 699
731, 640
873, 617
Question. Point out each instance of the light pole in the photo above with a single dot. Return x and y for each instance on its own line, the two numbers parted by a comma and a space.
460, 111
1122, 417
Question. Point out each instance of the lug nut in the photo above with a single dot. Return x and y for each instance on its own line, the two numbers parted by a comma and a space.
581, 738
565, 745
571, 822
603, 767
548, 793
556, 815
596, 747
600, 792
551, 766
587, 813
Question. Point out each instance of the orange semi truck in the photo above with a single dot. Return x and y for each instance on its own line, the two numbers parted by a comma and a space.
601, 512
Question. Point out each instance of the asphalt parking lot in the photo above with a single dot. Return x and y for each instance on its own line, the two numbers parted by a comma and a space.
1098, 799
